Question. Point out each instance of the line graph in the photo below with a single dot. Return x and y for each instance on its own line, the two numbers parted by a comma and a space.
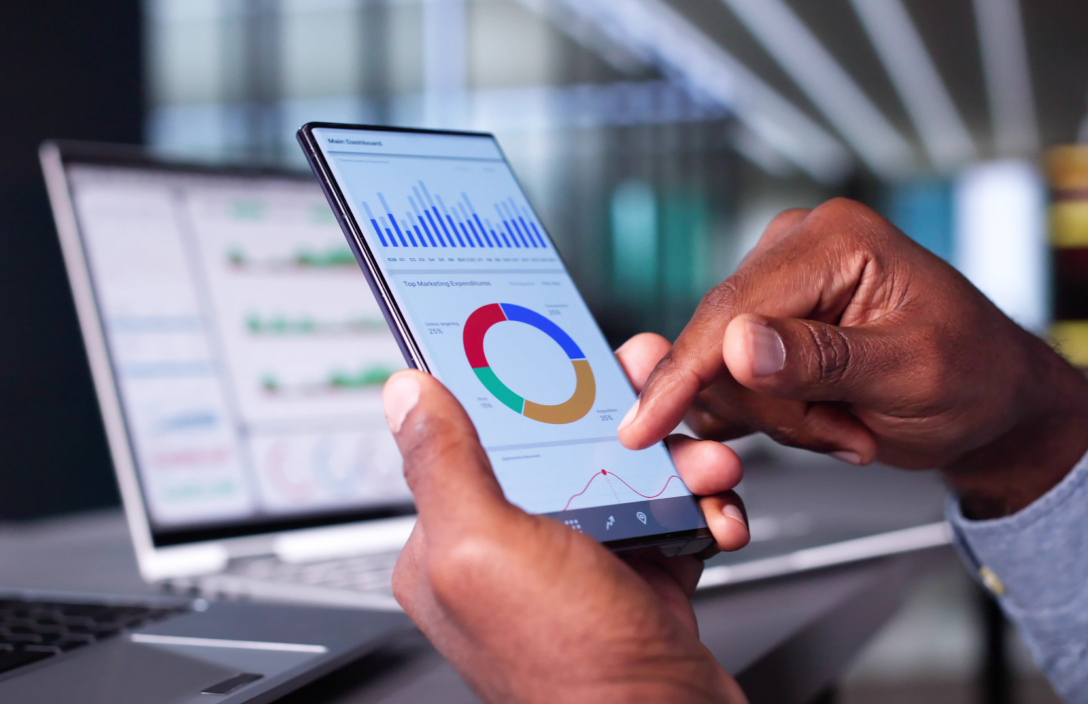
605, 473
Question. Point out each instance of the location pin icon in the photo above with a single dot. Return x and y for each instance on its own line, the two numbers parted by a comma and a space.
641, 516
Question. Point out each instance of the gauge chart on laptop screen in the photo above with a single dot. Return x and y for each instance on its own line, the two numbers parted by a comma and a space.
499, 320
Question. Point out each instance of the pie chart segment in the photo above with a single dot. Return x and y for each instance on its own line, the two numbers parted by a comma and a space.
573, 408
585, 391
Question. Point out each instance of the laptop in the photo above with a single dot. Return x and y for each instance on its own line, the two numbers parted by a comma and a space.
178, 274
238, 357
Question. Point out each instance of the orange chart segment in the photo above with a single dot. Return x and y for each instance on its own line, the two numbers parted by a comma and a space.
577, 406
585, 391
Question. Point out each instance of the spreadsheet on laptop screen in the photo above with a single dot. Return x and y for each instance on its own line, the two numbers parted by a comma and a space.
247, 349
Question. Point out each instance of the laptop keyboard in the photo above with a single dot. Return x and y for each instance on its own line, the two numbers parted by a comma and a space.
363, 573
36, 630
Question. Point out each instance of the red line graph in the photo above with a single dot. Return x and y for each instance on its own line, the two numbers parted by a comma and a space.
606, 473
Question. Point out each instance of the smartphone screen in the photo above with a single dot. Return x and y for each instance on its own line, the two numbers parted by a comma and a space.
477, 284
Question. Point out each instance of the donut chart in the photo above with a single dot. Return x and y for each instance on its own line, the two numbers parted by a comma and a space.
585, 390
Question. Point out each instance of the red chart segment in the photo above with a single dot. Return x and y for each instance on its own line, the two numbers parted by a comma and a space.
475, 328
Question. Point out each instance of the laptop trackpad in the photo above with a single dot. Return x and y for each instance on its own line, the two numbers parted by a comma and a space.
119, 671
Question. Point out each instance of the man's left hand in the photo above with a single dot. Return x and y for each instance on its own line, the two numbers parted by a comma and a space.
527, 609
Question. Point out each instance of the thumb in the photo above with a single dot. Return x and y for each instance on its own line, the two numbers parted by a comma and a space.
446, 467
806, 360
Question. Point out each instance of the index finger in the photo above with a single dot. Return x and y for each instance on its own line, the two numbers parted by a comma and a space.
782, 280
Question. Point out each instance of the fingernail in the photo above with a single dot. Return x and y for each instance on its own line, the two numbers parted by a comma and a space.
765, 347
400, 396
847, 456
630, 414
731, 511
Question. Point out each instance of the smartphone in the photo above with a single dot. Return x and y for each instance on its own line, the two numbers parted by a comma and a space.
477, 295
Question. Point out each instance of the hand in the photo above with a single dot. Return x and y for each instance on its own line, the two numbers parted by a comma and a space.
839, 334
525, 608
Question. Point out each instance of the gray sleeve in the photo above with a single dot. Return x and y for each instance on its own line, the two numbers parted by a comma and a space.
1036, 563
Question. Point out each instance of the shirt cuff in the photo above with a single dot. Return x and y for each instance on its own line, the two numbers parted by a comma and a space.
1036, 562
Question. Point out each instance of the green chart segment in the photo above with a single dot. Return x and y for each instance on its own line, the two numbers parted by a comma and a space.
585, 391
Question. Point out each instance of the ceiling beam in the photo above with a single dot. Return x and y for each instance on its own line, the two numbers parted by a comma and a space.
661, 37
897, 42
845, 105
1008, 76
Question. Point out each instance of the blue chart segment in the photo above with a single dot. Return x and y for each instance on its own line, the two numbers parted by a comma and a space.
436, 222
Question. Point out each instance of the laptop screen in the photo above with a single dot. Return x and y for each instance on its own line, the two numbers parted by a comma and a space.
247, 350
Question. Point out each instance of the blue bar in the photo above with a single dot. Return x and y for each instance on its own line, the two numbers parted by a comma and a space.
374, 222
452, 226
515, 235
430, 219
470, 242
482, 239
430, 202
502, 217
527, 232
416, 228
379, 231
408, 229
527, 218
437, 214
464, 215
394, 221
408, 226
478, 223
392, 239
448, 217
543, 242
467, 235
424, 223
524, 235
514, 221
500, 233
520, 215
402, 240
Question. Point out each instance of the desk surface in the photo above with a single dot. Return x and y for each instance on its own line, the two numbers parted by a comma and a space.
785, 639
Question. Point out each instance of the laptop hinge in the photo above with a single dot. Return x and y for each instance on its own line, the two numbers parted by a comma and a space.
340, 541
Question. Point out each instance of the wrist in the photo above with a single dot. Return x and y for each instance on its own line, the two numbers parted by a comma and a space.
1050, 437
691, 683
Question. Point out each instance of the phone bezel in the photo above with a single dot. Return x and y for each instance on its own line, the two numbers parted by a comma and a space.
383, 291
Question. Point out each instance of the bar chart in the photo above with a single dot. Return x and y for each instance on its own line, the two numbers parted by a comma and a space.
430, 221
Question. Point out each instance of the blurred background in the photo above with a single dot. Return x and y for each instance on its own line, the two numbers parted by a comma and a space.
657, 138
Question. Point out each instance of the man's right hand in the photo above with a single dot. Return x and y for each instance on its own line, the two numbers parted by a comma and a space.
839, 334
